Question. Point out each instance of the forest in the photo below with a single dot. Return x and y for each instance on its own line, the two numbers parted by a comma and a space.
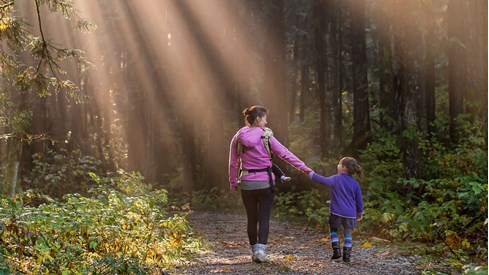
118, 115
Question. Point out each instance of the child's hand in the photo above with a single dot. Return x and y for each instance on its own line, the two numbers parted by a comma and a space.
359, 217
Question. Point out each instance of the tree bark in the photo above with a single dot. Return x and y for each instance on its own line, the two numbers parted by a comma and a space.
409, 56
274, 78
320, 46
457, 64
361, 110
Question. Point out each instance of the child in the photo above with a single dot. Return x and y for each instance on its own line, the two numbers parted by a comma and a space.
346, 204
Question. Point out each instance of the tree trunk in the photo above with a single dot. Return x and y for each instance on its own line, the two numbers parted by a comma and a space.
361, 114
410, 93
304, 91
428, 74
457, 64
339, 112
294, 77
274, 78
335, 125
476, 49
320, 45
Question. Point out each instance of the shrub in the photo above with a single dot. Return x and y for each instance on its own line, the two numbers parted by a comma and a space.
56, 172
113, 232
446, 207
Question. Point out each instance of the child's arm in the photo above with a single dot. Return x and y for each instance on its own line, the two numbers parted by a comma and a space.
329, 181
359, 203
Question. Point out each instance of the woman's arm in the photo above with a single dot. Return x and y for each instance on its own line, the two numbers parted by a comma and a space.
233, 164
284, 153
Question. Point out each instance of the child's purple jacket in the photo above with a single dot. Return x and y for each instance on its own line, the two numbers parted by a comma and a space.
255, 156
346, 195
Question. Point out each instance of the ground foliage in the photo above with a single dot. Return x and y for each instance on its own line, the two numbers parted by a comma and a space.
444, 211
122, 228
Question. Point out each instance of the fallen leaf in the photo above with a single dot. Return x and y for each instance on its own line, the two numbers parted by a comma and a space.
289, 258
366, 245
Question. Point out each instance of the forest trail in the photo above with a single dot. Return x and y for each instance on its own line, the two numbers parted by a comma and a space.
292, 249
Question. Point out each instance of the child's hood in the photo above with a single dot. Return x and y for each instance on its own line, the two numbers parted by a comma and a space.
250, 136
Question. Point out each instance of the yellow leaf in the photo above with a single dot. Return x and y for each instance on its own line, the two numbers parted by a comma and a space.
366, 245
289, 258
3, 26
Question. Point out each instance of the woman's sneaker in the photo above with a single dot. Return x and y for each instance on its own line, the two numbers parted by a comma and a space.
260, 256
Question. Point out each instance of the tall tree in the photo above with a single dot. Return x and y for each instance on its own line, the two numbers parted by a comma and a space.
361, 109
428, 70
457, 67
409, 78
320, 47
274, 76
31, 65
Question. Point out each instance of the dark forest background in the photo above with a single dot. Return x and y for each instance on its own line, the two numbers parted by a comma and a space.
158, 87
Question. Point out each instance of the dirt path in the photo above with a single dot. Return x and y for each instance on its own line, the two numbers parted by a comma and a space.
292, 249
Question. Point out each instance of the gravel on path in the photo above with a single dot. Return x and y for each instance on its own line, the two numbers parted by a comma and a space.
291, 249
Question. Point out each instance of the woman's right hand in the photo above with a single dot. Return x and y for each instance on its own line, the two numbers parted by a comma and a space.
233, 185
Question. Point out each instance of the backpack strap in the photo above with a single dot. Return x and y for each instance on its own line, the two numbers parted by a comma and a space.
266, 141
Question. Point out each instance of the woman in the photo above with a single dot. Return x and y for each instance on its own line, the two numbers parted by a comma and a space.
255, 179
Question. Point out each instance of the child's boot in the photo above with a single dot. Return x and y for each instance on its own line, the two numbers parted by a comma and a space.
346, 254
336, 250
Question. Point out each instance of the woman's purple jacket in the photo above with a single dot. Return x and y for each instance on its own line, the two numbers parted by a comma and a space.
254, 155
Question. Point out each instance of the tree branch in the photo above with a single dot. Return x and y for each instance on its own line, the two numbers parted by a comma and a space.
6, 5
44, 43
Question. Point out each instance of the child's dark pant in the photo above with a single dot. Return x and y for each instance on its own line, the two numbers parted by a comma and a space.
258, 204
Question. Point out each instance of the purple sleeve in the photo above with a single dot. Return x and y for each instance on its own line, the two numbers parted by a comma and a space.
359, 201
284, 153
329, 181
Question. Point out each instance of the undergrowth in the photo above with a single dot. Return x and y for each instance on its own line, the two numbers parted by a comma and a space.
122, 228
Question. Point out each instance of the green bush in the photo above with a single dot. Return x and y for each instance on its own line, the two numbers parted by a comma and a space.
112, 232
446, 207
54, 173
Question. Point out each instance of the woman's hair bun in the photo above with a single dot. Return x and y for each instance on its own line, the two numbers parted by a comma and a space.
252, 113
246, 111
